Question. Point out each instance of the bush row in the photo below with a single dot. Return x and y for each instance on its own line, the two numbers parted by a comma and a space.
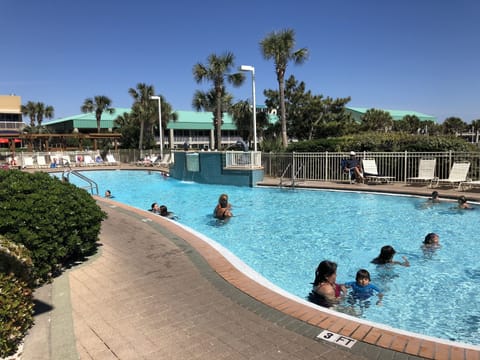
384, 142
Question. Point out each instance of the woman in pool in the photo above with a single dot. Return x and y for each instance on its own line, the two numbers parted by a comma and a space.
223, 209
386, 257
326, 292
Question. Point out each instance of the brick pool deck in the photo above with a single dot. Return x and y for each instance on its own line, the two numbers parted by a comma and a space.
157, 291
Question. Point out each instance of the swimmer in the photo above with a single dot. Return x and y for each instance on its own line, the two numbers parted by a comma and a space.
165, 213
363, 288
326, 292
108, 194
155, 208
462, 203
386, 257
431, 240
434, 197
223, 209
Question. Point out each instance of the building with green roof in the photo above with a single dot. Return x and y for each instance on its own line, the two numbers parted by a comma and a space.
358, 112
192, 127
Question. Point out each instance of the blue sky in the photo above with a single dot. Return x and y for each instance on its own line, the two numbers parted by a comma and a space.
420, 55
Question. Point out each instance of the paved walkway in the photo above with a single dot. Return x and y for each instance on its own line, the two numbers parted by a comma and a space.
151, 293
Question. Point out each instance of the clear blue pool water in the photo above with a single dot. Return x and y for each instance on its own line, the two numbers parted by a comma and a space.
284, 234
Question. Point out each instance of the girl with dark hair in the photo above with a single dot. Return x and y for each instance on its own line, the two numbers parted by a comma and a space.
386, 257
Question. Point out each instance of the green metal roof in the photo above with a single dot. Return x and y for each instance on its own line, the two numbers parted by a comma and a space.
193, 120
396, 114
186, 120
89, 121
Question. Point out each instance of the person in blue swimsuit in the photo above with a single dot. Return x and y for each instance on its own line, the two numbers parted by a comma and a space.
362, 288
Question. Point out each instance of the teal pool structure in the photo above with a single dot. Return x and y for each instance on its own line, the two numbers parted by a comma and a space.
283, 235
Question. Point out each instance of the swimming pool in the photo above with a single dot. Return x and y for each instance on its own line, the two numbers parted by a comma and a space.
284, 234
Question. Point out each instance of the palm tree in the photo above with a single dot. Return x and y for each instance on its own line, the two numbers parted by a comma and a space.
44, 111
143, 107
242, 118
98, 104
30, 110
279, 46
217, 70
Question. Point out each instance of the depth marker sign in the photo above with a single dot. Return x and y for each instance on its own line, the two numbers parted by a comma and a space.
336, 339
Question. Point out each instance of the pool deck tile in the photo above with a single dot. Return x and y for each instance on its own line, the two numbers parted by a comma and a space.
168, 302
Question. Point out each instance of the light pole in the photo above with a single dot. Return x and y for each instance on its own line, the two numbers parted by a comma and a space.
254, 107
160, 129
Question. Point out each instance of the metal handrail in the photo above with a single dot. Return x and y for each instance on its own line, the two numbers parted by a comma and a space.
91, 184
283, 174
296, 174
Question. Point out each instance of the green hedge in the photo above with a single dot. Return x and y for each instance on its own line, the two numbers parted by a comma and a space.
16, 313
16, 259
384, 142
58, 222
16, 302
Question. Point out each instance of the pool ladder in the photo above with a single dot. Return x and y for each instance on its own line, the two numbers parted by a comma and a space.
294, 177
92, 185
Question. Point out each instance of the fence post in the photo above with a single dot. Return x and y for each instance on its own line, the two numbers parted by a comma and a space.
293, 165
326, 166
405, 167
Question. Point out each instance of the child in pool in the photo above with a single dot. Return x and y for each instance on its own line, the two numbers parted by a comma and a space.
386, 257
432, 240
362, 288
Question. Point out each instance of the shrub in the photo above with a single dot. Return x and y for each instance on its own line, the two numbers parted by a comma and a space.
57, 221
16, 313
15, 259
384, 142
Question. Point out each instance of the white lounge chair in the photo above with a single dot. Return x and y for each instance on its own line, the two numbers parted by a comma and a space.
165, 161
147, 161
27, 162
111, 160
370, 172
426, 171
458, 175
66, 160
87, 160
41, 161
467, 185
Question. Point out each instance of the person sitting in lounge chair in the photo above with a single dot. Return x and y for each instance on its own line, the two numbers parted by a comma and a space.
353, 167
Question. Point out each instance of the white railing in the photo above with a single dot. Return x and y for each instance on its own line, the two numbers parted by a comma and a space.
400, 165
243, 160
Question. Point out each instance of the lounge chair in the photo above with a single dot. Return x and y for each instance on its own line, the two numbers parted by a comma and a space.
111, 160
27, 162
165, 161
41, 161
87, 160
370, 172
458, 174
66, 160
426, 171
147, 161
467, 185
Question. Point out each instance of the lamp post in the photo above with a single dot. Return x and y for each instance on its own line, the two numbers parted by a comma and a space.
254, 107
160, 129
